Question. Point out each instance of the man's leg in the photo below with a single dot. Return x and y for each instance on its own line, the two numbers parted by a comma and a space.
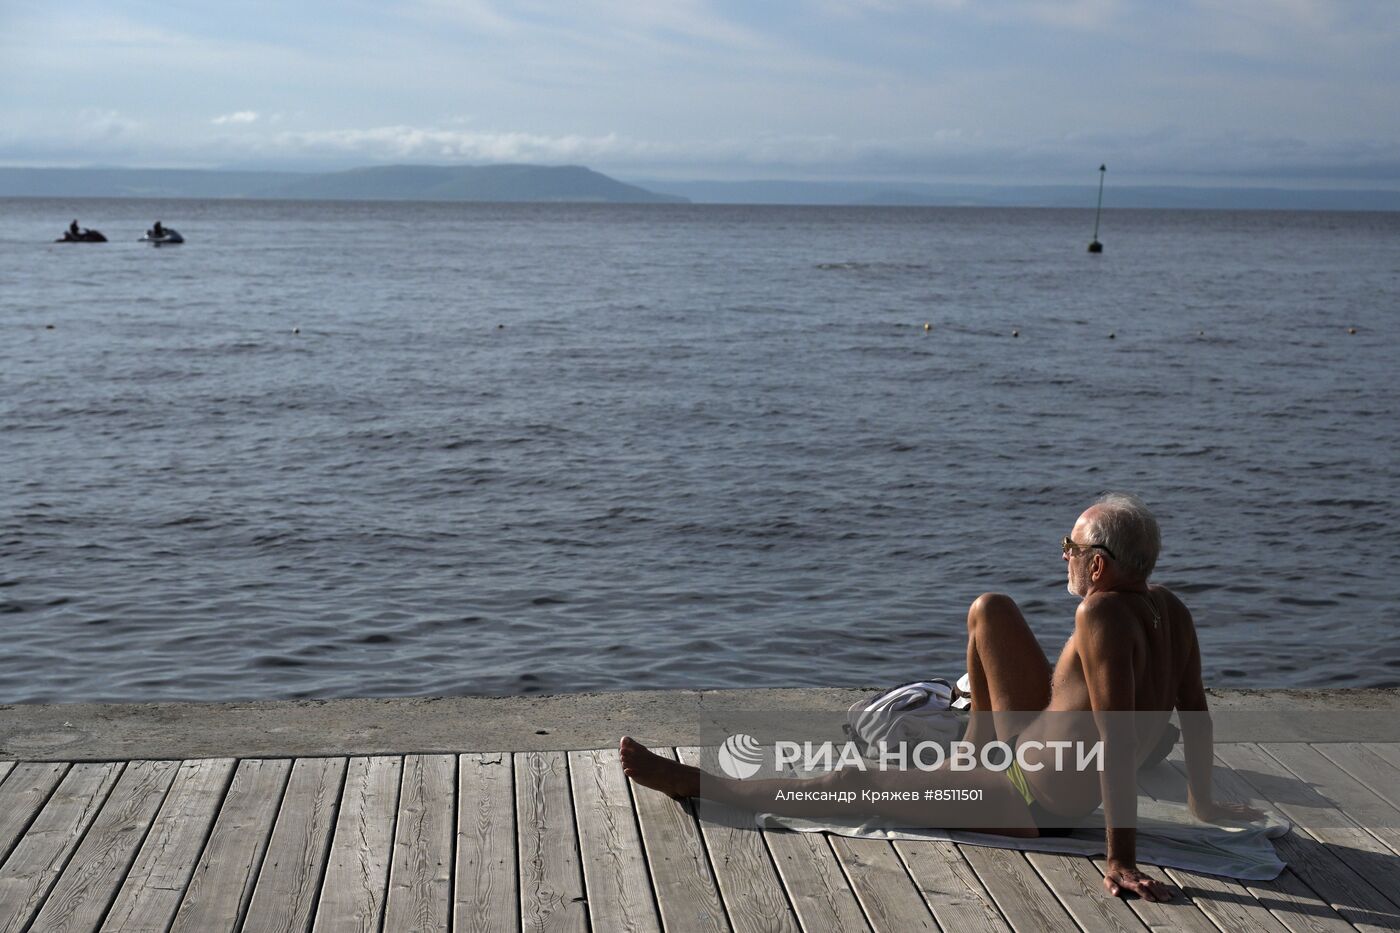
1008, 670
991, 804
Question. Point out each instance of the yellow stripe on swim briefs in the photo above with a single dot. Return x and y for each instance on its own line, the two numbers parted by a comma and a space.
1018, 781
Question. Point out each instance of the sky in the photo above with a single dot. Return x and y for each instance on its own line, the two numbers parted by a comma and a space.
1298, 93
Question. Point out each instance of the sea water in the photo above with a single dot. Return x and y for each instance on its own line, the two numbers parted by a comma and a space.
339, 449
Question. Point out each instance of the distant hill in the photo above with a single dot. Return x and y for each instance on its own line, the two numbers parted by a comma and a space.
468, 183
565, 183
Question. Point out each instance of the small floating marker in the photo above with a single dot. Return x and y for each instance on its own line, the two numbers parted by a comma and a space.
296, 330
1112, 335
1200, 333
500, 327
1015, 333
927, 327
50, 327
1350, 330
1094, 245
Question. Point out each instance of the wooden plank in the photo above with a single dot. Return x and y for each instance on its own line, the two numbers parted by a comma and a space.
23, 795
1297, 906
1292, 902
614, 868
290, 879
1230, 904
753, 895
80, 898
1369, 764
1024, 900
950, 887
222, 881
816, 885
357, 867
487, 894
686, 895
551, 884
5, 768
1079, 887
1390, 751
420, 875
1345, 838
891, 901
1375, 814
1314, 863
154, 886
40, 856
1179, 913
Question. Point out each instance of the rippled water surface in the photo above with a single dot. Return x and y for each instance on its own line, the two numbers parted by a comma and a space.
553, 448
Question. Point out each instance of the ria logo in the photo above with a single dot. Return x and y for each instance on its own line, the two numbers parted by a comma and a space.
740, 756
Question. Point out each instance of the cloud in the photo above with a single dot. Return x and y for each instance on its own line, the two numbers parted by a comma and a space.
239, 116
1067, 14
589, 21
437, 144
105, 125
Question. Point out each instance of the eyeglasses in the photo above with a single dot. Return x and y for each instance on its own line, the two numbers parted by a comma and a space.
1067, 544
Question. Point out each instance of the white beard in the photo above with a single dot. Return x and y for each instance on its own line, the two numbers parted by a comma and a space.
1079, 581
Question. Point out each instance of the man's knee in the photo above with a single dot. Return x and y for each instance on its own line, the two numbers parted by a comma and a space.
989, 607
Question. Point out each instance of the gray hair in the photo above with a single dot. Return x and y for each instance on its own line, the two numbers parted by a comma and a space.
1123, 524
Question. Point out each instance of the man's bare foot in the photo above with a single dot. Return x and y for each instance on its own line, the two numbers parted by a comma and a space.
649, 769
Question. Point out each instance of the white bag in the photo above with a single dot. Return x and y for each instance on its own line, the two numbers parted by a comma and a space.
925, 711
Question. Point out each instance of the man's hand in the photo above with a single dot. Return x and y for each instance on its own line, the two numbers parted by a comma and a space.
1222, 812
1120, 878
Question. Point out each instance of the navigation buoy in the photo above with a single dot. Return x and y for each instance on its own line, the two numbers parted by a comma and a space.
1015, 333
1094, 245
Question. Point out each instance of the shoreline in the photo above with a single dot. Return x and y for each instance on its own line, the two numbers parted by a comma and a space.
559, 722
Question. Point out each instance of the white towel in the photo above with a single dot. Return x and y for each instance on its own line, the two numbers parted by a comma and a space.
1168, 835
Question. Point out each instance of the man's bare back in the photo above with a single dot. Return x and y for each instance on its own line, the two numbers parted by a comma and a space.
1162, 637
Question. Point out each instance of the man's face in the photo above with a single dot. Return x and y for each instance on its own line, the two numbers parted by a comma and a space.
1080, 562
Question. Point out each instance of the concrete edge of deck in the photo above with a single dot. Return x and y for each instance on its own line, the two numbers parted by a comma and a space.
385, 726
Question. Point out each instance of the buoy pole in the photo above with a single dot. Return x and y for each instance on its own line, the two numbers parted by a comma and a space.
1094, 245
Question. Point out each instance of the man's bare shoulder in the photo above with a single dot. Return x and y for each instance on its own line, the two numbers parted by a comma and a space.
1167, 594
1105, 604
1174, 606
1099, 614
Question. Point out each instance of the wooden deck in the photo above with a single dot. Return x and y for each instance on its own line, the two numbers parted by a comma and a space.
560, 841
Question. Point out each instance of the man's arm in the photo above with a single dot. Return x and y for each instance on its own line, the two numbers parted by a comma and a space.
1198, 742
1197, 733
1105, 645
1106, 654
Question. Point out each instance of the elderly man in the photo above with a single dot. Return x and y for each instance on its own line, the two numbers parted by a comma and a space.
1132, 658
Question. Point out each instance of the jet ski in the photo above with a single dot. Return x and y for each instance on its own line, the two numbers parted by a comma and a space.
82, 236
166, 237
